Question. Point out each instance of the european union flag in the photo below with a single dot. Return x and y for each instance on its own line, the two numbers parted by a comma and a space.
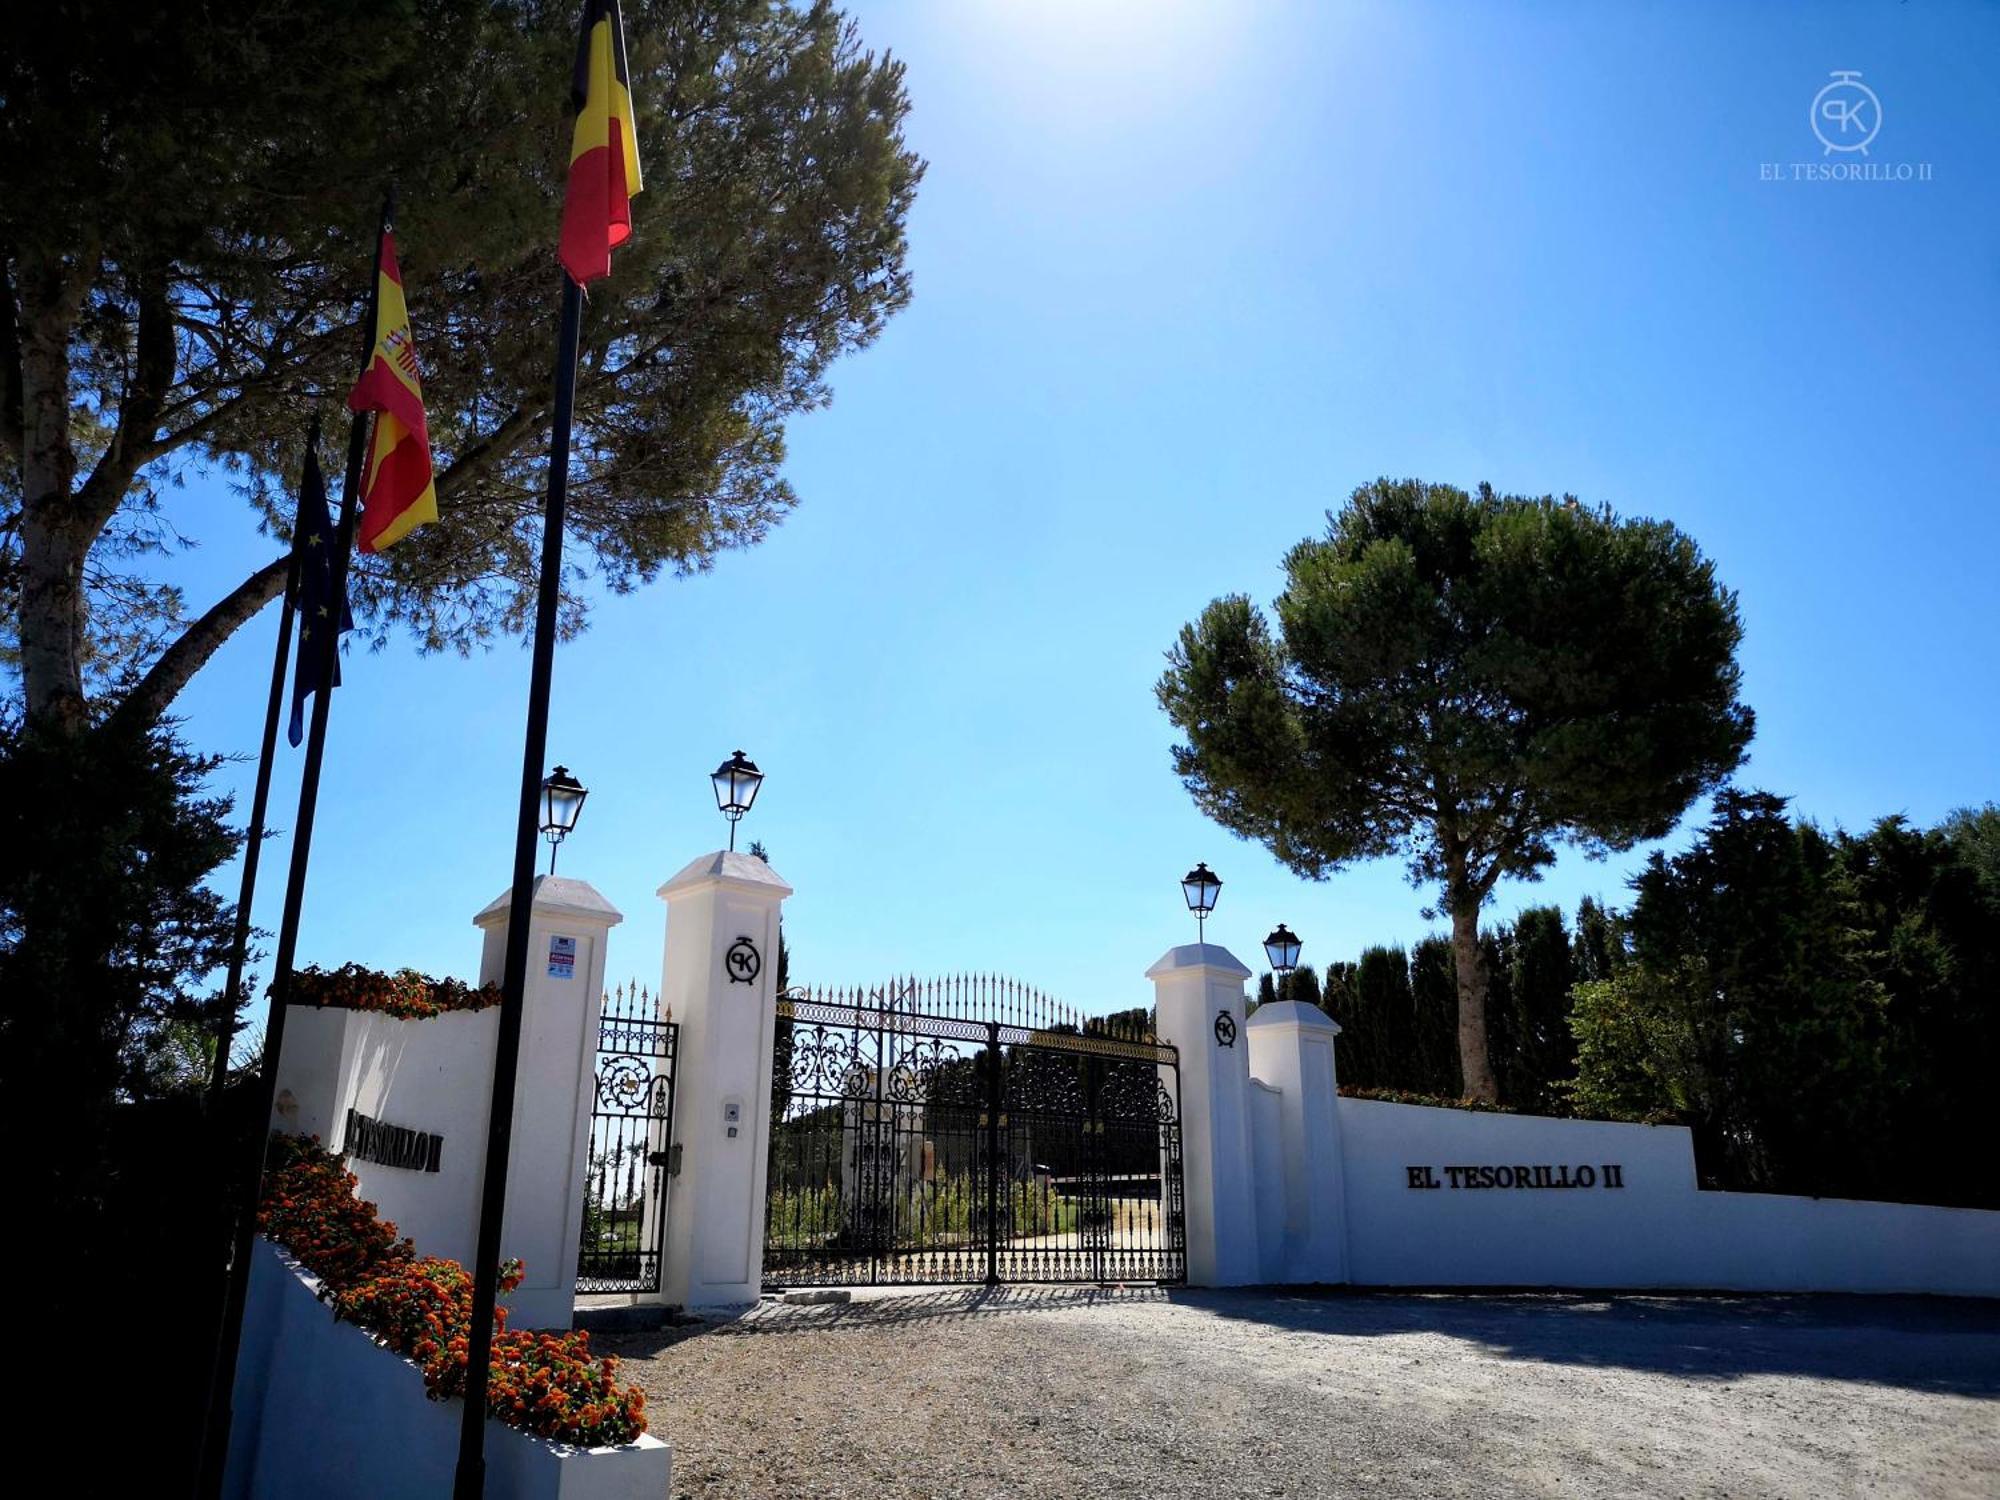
313, 543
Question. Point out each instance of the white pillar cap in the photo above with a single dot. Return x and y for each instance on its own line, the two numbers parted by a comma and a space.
1293, 1013
558, 894
1199, 956
745, 872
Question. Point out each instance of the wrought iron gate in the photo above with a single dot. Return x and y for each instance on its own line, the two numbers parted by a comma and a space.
631, 1147
914, 1140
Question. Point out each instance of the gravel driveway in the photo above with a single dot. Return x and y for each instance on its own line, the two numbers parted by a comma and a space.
1054, 1394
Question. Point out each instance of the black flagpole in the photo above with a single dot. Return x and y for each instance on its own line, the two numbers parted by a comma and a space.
470, 1482
225, 1029
215, 1433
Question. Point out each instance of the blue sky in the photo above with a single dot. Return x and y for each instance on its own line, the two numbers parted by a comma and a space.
1186, 274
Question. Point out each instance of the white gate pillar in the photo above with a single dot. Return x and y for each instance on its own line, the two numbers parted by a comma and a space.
719, 980
1194, 986
1291, 1048
568, 923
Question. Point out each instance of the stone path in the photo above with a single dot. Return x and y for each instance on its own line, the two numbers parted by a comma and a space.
1059, 1393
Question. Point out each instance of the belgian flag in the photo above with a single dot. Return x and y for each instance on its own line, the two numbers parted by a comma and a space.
397, 493
603, 151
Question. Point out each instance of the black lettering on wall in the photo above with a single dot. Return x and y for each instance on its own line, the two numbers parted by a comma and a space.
1519, 1175
369, 1139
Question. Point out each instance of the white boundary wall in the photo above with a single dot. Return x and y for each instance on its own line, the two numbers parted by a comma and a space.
323, 1412
1377, 1194
1659, 1229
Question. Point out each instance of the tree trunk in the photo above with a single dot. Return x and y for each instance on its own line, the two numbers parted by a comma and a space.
53, 544
1473, 1060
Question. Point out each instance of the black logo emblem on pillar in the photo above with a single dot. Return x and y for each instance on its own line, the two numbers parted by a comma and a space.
743, 962
1225, 1029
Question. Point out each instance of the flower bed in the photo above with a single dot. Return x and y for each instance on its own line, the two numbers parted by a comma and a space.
1433, 1101
547, 1384
405, 994
1480, 1106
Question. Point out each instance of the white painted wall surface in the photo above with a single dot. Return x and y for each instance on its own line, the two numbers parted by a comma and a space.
1192, 985
1657, 1230
337, 1416
314, 1071
436, 1075
1291, 1045
546, 1158
1267, 1152
715, 1221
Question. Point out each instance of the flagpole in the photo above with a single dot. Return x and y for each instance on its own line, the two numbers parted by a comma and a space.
470, 1481
253, 847
215, 1433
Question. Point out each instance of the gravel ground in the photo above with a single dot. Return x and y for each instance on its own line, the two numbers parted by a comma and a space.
1054, 1394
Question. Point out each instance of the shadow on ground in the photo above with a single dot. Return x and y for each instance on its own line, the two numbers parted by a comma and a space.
1944, 1345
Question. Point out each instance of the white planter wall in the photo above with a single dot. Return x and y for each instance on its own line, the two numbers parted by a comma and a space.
323, 1412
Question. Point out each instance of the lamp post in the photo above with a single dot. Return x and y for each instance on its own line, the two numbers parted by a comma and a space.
736, 781
1282, 949
562, 803
1201, 886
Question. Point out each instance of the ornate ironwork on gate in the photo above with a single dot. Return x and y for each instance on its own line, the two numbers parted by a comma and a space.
970, 1130
632, 1152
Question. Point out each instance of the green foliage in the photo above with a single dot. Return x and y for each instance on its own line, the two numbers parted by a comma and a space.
1819, 1009
1301, 984
1534, 1049
1469, 681
105, 926
1372, 1005
1973, 834
1596, 943
188, 198
1431, 1065
922, 1215
1635, 1045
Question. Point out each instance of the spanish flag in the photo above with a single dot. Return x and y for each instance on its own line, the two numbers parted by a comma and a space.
603, 151
397, 494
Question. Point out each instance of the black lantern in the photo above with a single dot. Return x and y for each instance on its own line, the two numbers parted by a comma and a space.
562, 802
1201, 886
1282, 949
736, 782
